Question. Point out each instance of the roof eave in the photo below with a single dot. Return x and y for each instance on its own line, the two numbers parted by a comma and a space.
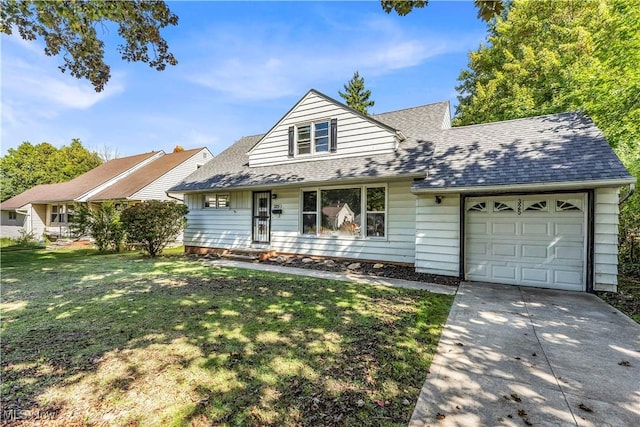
563, 185
302, 184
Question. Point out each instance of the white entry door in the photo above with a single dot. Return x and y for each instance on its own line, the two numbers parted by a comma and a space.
533, 240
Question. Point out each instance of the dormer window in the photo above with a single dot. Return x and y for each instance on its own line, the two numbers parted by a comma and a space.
313, 138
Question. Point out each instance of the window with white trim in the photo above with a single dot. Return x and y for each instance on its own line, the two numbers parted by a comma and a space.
376, 211
339, 211
312, 138
216, 201
13, 215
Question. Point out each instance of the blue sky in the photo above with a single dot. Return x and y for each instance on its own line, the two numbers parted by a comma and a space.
242, 65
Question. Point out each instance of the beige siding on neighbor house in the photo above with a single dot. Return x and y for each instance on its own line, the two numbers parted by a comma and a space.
437, 239
157, 189
606, 239
356, 135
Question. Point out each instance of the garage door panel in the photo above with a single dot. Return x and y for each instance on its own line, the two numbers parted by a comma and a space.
539, 242
569, 253
478, 228
504, 249
534, 251
535, 229
501, 228
477, 270
565, 277
568, 229
504, 272
535, 275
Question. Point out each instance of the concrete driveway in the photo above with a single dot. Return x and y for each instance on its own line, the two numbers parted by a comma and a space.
523, 356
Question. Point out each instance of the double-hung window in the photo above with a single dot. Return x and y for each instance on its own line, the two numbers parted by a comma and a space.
340, 212
313, 138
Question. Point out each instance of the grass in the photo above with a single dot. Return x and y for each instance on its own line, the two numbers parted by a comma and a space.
8, 244
125, 340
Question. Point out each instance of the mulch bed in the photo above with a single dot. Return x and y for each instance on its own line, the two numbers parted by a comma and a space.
627, 299
366, 268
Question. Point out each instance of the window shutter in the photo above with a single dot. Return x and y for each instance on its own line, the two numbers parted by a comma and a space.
291, 141
334, 135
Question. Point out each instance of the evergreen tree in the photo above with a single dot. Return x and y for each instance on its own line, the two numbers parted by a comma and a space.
356, 96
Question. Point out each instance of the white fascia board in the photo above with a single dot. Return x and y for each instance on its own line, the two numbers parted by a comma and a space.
86, 196
578, 185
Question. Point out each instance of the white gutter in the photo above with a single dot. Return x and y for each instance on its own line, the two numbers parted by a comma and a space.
580, 185
344, 181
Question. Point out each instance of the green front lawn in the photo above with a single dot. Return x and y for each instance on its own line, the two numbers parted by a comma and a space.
126, 340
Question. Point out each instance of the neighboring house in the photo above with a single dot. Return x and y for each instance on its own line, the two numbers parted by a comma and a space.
531, 201
49, 208
337, 219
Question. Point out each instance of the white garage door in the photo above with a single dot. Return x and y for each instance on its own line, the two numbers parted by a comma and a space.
527, 240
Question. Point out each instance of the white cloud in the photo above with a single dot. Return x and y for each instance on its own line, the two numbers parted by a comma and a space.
35, 91
264, 64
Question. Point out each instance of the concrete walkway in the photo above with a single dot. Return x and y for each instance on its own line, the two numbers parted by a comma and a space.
521, 356
329, 275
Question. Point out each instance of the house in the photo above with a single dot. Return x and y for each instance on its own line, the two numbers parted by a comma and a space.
531, 201
49, 208
337, 218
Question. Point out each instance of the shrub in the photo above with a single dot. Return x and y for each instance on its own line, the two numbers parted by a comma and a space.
153, 224
26, 238
102, 223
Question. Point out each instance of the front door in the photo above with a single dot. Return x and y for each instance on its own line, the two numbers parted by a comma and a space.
261, 216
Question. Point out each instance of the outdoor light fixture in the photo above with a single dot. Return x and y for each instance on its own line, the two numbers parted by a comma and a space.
438, 200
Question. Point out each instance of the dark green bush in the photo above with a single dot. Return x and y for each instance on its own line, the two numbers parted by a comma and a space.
153, 224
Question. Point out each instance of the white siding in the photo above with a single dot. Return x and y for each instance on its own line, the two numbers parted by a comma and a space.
157, 189
231, 228
19, 221
34, 221
218, 228
355, 133
438, 235
606, 239
399, 246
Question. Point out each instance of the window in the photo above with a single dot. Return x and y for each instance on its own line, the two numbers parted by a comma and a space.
216, 201
540, 206
339, 212
318, 133
70, 212
478, 207
376, 212
61, 214
304, 139
55, 215
13, 215
309, 212
503, 207
568, 205
321, 136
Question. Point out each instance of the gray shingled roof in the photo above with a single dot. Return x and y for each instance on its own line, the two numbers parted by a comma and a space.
547, 149
230, 169
555, 148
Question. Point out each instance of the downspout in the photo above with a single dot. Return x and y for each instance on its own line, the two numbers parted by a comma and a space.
632, 189
174, 198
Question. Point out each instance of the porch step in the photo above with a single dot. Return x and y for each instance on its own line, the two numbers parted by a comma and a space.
239, 257
248, 254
